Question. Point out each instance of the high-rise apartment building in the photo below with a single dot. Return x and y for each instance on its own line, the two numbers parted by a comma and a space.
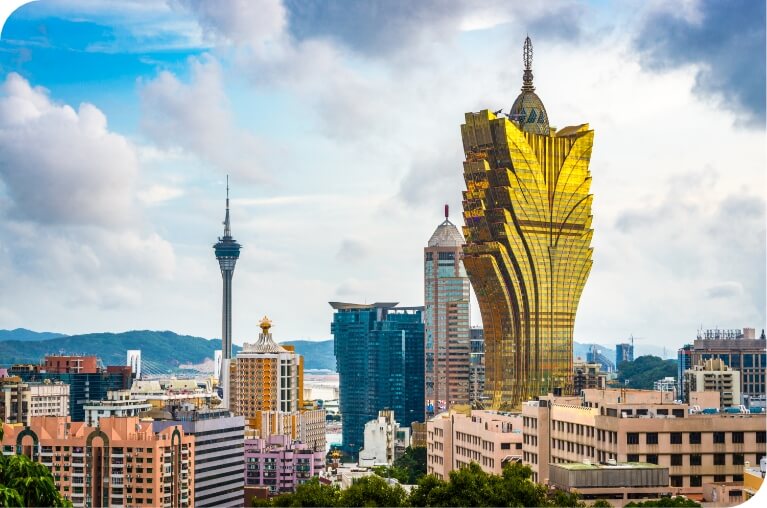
477, 367
379, 351
714, 376
587, 375
218, 452
740, 350
623, 353
683, 363
527, 210
227, 253
122, 462
20, 402
446, 320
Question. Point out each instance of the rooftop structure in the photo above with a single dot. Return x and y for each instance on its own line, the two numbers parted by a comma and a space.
117, 403
714, 376
20, 402
527, 210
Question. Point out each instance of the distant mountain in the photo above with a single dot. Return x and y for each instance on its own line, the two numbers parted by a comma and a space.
160, 351
317, 354
582, 350
22, 334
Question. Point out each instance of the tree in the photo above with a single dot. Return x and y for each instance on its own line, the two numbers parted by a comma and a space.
601, 503
311, 493
27, 483
677, 501
645, 370
373, 491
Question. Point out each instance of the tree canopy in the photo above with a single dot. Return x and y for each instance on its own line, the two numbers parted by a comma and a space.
645, 370
407, 469
677, 501
26, 483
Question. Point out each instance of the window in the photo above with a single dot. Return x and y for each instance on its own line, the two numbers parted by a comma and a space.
737, 477
737, 437
720, 478
761, 437
719, 459
677, 481
632, 458
695, 459
694, 437
652, 459
676, 438
737, 459
718, 437
676, 460
505, 446
696, 480
652, 438
632, 438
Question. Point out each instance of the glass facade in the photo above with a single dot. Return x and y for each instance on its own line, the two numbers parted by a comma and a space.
527, 210
379, 353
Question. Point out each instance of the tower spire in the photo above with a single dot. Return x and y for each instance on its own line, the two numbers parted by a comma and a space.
527, 57
227, 228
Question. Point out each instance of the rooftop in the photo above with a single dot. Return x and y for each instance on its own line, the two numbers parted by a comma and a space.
581, 466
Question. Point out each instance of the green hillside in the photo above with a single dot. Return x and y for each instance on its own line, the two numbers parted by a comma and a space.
160, 351
27, 335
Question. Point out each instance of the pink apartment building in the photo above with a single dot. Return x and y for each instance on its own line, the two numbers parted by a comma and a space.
486, 437
122, 462
280, 464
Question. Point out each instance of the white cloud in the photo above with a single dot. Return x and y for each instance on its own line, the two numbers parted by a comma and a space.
197, 117
237, 20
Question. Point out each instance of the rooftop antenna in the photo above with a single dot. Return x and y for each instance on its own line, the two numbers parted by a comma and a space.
227, 229
527, 58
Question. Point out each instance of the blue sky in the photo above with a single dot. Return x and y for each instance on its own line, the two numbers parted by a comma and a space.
339, 125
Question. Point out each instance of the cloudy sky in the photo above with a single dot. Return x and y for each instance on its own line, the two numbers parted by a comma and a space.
339, 123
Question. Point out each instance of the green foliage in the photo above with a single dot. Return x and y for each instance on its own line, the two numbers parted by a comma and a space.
373, 491
677, 501
311, 493
407, 469
601, 503
27, 483
645, 370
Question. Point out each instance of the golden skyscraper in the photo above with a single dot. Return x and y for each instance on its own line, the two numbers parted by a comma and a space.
527, 210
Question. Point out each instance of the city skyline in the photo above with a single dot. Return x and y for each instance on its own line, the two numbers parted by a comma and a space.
338, 206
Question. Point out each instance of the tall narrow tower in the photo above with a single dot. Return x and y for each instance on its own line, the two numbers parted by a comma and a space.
527, 208
227, 252
446, 294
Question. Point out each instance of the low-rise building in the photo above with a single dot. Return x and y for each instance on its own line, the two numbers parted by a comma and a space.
489, 438
117, 403
20, 401
122, 462
588, 375
161, 393
620, 483
280, 464
714, 376
608, 426
385, 440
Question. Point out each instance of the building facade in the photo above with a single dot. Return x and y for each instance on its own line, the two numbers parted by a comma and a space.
70, 364
623, 353
477, 367
489, 438
740, 350
219, 444
280, 464
122, 462
446, 321
20, 402
614, 426
621, 483
587, 375
385, 441
379, 351
714, 376
527, 210
683, 363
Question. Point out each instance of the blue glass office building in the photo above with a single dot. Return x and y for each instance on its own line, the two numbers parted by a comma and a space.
379, 358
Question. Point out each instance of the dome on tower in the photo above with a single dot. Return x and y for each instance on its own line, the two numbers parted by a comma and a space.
528, 111
446, 234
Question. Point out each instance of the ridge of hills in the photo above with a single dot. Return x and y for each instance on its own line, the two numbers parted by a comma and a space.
161, 351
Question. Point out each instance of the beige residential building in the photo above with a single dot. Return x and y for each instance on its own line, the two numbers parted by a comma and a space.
614, 426
20, 401
122, 462
714, 376
587, 375
489, 438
